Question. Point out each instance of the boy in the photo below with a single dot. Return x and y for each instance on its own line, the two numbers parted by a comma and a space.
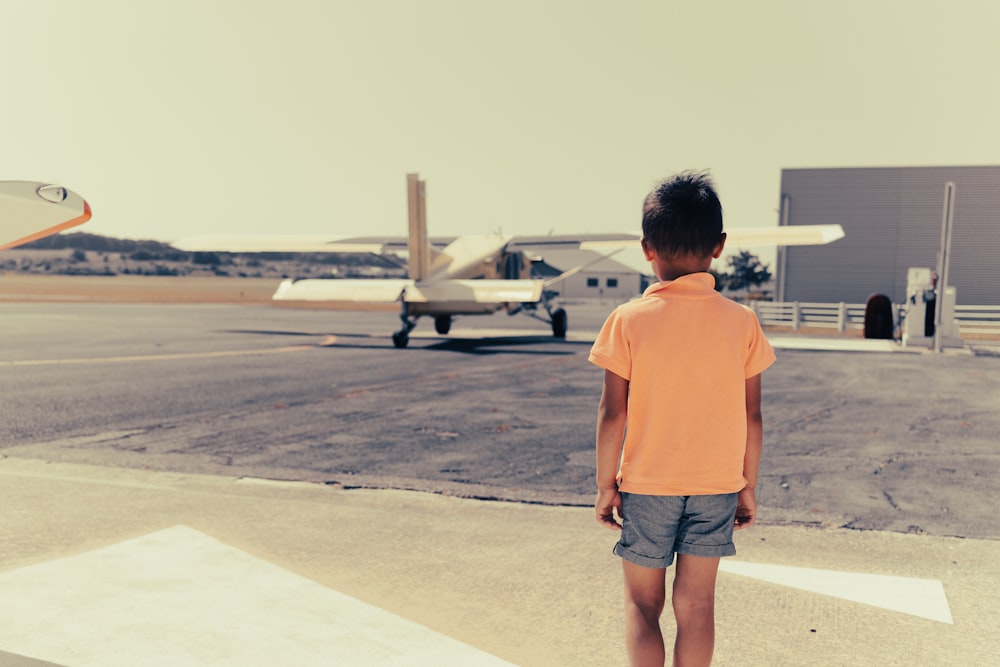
682, 368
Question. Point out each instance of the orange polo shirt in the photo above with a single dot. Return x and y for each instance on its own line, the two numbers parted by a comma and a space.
686, 351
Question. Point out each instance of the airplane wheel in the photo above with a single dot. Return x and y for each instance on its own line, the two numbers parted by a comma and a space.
442, 324
559, 323
400, 339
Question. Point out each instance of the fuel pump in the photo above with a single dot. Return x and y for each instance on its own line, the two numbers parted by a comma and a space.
921, 304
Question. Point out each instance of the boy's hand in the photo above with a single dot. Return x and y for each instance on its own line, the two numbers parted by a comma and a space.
608, 500
746, 509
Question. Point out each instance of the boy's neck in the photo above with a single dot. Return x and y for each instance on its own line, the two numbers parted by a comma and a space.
675, 267
667, 277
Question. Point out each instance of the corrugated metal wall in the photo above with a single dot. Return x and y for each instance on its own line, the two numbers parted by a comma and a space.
892, 221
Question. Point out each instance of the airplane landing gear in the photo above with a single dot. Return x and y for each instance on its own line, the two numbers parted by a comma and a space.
557, 316
402, 337
442, 324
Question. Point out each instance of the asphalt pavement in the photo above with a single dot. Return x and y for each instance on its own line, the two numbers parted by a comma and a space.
447, 486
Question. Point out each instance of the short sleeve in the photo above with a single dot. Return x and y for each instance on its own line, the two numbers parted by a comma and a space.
611, 350
760, 354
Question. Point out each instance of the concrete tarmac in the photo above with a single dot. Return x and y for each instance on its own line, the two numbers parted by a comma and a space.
143, 523
525, 584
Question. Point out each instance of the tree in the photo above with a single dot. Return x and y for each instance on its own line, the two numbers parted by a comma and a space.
746, 271
209, 258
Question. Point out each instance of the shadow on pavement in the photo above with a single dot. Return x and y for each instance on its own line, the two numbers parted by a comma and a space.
479, 346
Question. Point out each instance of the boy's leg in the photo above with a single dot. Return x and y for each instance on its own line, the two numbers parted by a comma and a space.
645, 594
694, 609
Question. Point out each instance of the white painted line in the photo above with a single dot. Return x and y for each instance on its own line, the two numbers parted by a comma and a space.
11, 660
179, 597
918, 597
278, 483
833, 344
157, 357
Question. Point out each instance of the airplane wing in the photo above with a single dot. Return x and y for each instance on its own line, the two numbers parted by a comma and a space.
345, 290
742, 237
30, 211
479, 291
378, 290
737, 237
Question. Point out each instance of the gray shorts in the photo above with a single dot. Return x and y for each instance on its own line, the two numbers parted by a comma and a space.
655, 527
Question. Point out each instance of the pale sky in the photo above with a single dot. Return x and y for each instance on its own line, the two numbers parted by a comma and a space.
179, 117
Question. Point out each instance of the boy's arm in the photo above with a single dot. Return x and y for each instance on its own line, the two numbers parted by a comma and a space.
612, 415
746, 510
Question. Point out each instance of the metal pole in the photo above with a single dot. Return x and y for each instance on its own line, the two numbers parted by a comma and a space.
944, 260
782, 251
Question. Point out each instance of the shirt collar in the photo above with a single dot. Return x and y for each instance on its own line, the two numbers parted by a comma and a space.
692, 284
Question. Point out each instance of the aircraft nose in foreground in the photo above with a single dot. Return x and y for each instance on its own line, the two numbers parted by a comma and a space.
31, 210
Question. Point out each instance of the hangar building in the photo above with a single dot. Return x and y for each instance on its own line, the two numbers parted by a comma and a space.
603, 278
892, 220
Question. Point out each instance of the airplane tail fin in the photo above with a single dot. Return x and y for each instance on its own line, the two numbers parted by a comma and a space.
419, 263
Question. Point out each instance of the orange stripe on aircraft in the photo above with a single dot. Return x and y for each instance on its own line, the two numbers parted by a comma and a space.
79, 220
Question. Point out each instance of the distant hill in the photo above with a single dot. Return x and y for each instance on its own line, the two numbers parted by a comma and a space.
96, 242
82, 253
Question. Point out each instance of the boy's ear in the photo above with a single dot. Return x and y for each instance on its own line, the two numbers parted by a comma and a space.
717, 252
647, 250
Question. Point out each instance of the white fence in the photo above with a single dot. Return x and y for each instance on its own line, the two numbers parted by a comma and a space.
978, 319
841, 317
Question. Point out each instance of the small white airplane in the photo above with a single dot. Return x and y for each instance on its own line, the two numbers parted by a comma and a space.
30, 211
469, 275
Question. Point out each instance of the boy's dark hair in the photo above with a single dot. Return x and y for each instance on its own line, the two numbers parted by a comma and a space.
682, 215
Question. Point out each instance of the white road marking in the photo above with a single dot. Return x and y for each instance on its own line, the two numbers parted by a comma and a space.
157, 357
918, 597
834, 344
179, 597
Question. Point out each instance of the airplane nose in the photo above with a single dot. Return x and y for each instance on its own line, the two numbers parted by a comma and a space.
53, 193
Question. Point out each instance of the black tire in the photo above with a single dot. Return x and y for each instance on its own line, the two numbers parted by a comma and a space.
400, 339
442, 324
559, 323
878, 318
